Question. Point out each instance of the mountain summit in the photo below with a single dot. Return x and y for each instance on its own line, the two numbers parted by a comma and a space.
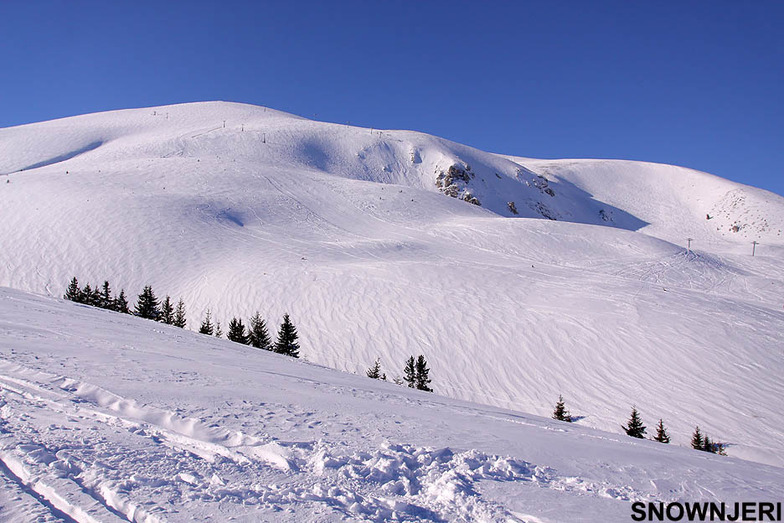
610, 282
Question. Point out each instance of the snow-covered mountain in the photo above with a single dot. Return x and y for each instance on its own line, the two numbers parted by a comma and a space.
518, 279
106, 417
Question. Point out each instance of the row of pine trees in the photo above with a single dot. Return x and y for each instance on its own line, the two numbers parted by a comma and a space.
147, 304
256, 333
635, 428
150, 307
416, 373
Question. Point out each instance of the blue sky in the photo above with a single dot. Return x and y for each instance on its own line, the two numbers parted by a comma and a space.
699, 84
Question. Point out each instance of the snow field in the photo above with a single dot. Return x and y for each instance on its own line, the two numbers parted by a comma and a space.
106, 417
346, 230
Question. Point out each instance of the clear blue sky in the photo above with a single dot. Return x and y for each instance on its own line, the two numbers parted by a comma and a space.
699, 84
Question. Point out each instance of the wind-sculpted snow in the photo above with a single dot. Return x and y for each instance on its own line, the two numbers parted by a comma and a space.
238, 209
105, 417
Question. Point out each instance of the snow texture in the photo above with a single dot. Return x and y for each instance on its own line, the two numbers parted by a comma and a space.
372, 241
106, 417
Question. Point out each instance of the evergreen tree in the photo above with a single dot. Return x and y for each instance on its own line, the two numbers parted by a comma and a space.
73, 292
634, 426
707, 444
409, 373
218, 330
91, 296
696, 439
95, 298
167, 311
375, 371
147, 305
121, 303
560, 413
106, 296
206, 325
422, 380
179, 315
237, 332
259, 337
661, 433
287, 338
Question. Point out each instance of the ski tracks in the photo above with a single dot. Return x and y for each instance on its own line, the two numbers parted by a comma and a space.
72, 451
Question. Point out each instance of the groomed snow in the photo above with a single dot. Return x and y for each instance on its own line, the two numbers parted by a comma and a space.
346, 229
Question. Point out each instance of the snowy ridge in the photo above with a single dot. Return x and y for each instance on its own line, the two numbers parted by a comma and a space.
154, 424
349, 231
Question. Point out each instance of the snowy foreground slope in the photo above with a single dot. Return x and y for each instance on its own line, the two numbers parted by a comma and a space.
106, 417
392, 243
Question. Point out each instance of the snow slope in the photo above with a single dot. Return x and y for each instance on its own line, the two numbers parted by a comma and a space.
106, 417
352, 231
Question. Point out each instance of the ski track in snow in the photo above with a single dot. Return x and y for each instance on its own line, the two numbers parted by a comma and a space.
71, 446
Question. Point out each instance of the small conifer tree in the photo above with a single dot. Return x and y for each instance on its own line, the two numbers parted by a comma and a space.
259, 336
218, 330
167, 311
90, 296
634, 426
121, 303
106, 296
409, 373
661, 433
206, 325
147, 305
73, 292
375, 371
560, 413
707, 444
236, 332
179, 315
287, 338
422, 380
697, 442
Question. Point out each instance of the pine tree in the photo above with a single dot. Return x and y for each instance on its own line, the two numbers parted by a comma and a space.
167, 311
106, 296
91, 296
258, 334
287, 338
661, 433
121, 303
634, 426
375, 371
147, 305
206, 325
697, 442
237, 332
409, 373
179, 315
73, 292
707, 444
218, 330
422, 380
560, 413
95, 298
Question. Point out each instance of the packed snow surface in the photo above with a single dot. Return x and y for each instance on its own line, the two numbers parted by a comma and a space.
518, 279
106, 417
